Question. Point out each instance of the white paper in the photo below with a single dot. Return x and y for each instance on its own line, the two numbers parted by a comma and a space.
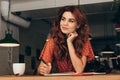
73, 74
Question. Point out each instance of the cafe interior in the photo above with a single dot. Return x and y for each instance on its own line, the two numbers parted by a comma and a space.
29, 22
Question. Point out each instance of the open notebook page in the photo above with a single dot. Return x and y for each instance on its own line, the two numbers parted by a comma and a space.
73, 74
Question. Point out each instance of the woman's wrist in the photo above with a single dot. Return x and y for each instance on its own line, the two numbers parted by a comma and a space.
69, 43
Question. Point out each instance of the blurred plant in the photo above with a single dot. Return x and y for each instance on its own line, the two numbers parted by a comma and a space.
116, 8
115, 5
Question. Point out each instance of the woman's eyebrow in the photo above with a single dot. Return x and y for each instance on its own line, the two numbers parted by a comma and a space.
72, 19
63, 17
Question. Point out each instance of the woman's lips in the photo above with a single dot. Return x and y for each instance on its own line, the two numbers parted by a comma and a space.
64, 28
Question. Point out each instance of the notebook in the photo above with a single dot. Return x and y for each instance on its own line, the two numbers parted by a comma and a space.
74, 74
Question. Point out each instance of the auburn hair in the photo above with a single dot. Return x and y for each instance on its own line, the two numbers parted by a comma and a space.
60, 48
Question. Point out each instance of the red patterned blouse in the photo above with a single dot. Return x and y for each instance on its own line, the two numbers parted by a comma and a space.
64, 65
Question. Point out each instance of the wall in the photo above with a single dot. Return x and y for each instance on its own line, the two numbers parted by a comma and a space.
101, 27
34, 37
99, 22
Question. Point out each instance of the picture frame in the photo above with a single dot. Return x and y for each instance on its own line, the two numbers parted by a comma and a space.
33, 62
37, 53
21, 58
28, 50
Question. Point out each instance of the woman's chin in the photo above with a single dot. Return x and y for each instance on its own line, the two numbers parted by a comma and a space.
65, 33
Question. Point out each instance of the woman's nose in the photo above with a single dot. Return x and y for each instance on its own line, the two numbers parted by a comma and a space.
65, 22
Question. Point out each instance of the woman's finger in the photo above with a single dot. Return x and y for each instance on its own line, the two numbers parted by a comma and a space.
43, 70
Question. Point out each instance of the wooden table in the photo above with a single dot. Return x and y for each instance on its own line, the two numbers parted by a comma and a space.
92, 77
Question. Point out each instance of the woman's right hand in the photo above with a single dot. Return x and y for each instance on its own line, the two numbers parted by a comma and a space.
44, 68
72, 36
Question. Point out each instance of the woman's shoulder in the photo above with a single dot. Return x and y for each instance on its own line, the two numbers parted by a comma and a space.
50, 41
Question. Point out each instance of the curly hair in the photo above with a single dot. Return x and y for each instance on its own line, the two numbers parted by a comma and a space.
61, 49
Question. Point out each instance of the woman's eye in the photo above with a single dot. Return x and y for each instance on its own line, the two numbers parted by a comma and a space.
72, 21
62, 18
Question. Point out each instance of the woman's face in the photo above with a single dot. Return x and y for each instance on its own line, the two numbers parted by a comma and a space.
68, 23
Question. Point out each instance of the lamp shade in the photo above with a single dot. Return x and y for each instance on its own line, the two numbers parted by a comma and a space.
8, 41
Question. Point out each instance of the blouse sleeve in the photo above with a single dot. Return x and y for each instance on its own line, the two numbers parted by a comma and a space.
87, 51
47, 51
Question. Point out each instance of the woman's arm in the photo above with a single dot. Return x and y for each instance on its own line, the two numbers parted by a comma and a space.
78, 63
47, 55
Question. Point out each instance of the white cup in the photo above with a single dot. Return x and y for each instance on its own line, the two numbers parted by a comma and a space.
19, 68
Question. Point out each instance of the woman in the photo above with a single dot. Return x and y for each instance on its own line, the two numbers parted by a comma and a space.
68, 45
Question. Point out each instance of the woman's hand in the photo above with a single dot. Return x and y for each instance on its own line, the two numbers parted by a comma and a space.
44, 68
72, 36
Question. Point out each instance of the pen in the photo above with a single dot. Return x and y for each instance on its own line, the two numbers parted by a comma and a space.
82, 74
44, 61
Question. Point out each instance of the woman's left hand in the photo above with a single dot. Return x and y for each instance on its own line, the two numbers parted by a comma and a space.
72, 36
44, 68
